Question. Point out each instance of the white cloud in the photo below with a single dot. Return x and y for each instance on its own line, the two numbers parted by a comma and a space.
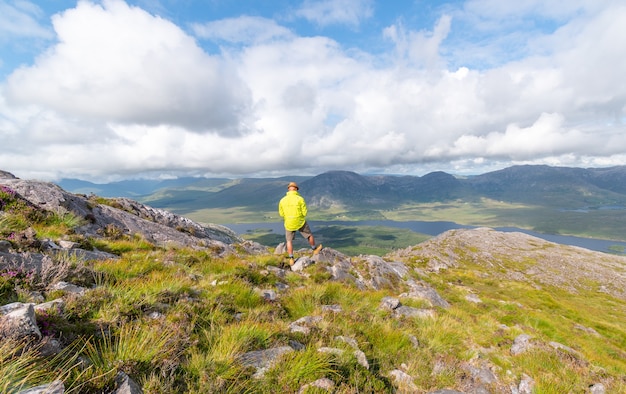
243, 29
340, 12
118, 63
20, 19
125, 92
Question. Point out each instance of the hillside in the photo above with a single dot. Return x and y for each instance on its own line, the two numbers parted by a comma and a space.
583, 202
110, 295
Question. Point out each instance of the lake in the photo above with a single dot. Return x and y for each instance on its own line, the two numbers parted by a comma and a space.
436, 228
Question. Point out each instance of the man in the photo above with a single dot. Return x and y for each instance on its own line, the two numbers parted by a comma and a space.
292, 208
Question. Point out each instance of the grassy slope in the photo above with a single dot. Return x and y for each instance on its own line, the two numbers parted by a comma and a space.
209, 312
194, 346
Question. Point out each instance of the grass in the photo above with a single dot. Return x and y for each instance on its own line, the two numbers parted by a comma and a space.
179, 320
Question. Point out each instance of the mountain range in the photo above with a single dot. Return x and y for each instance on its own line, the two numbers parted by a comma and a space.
564, 187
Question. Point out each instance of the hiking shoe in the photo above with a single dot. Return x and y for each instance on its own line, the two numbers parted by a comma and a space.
317, 250
291, 261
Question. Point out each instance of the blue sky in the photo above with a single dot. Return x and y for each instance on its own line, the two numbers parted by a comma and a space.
109, 90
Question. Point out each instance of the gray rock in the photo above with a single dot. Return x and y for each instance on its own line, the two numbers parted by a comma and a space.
389, 303
421, 291
323, 383
125, 385
597, 388
26, 261
6, 175
381, 274
280, 249
68, 288
332, 308
473, 298
5, 246
403, 381
301, 263
586, 329
304, 324
8, 308
350, 341
409, 311
68, 244
262, 360
158, 226
57, 305
20, 324
331, 350
361, 358
268, 294
55, 387
342, 271
526, 385
49, 347
567, 349
521, 344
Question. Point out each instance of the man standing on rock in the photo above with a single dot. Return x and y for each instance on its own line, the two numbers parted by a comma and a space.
292, 208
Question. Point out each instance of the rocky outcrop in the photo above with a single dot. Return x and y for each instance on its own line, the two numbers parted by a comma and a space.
122, 216
520, 257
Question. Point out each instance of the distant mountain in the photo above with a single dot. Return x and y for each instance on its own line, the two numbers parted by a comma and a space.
140, 187
553, 186
526, 184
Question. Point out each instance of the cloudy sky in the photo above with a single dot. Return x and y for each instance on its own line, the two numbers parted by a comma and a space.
108, 90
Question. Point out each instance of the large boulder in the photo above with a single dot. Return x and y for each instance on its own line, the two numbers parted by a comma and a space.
122, 216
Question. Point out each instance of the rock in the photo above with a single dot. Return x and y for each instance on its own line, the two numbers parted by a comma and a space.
409, 311
20, 324
128, 217
262, 360
301, 263
5, 246
268, 294
323, 383
6, 175
526, 385
125, 385
342, 271
597, 388
254, 248
68, 288
586, 329
57, 305
403, 381
521, 344
55, 387
422, 291
303, 325
381, 274
389, 303
280, 249
68, 244
49, 347
331, 350
332, 308
473, 298
8, 308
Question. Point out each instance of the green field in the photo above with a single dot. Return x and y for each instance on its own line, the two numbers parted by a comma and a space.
357, 240
592, 223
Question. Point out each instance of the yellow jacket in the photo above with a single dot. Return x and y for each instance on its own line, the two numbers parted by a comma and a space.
292, 209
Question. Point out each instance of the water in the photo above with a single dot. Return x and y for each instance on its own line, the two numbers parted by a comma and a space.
436, 228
